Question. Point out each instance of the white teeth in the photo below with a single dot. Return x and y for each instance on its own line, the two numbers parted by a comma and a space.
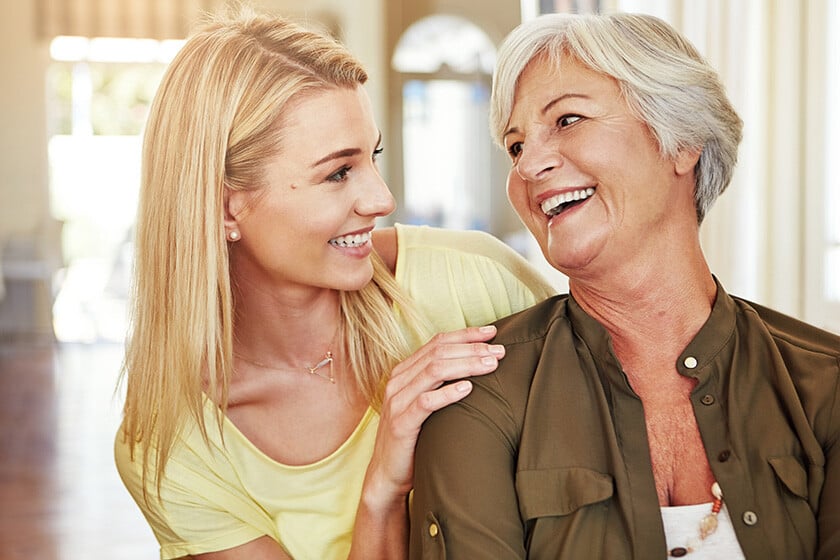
552, 206
351, 240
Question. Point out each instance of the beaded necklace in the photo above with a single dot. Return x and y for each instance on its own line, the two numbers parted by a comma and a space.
708, 525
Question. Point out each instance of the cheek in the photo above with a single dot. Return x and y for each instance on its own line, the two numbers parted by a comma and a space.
516, 193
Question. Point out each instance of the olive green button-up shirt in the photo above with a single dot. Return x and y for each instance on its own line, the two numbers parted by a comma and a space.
548, 457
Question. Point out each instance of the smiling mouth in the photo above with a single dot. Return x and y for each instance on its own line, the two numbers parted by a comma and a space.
563, 201
351, 240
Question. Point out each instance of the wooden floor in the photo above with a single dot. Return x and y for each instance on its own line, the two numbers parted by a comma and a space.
60, 495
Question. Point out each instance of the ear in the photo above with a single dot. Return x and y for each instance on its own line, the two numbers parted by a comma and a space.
686, 160
235, 204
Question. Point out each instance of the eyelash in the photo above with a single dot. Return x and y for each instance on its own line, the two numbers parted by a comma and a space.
566, 117
515, 149
341, 175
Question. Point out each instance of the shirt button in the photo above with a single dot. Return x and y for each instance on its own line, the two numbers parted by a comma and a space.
433, 530
750, 518
708, 399
724, 455
690, 362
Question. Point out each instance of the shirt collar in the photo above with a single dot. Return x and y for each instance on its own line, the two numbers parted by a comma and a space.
700, 352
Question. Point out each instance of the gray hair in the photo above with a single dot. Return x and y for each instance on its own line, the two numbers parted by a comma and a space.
665, 81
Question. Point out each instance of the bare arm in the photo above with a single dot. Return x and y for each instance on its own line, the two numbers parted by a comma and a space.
385, 243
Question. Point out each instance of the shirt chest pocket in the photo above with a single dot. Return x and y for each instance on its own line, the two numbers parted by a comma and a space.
564, 511
558, 492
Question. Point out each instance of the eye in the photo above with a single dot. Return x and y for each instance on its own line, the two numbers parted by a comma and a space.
515, 149
567, 120
340, 175
377, 152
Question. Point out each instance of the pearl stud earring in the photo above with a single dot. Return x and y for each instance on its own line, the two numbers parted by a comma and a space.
233, 236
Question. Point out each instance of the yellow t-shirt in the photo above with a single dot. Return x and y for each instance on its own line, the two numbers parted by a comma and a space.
222, 496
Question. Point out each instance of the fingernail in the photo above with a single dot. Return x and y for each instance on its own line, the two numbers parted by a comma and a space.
487, 329
488, 361
497, 349
463, 386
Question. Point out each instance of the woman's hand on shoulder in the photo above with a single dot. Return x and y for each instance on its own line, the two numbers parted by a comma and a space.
419, 386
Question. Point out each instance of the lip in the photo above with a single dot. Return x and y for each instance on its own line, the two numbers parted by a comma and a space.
356, 232
359, 251
543, 197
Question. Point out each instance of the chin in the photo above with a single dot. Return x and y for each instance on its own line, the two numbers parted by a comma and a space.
356, 281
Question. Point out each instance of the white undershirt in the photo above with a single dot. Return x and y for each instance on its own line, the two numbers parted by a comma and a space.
682, 524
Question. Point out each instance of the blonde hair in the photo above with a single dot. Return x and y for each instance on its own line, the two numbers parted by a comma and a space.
212, 125
664, 80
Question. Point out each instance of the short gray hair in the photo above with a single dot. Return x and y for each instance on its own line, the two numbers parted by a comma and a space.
665, 81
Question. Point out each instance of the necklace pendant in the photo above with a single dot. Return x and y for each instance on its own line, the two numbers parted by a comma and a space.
708, 525
328, 360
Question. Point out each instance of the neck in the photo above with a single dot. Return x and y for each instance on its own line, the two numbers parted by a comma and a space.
292, 329
650, 311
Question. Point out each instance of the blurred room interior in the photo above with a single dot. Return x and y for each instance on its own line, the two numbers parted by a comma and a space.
78, 78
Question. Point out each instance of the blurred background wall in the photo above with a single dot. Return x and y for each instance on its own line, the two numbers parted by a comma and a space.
71, 119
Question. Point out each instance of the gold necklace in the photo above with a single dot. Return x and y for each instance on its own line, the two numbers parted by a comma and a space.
327, 360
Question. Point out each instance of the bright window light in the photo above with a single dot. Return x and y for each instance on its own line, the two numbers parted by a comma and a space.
109, 49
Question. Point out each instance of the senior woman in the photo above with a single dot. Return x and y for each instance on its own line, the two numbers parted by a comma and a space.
648, 413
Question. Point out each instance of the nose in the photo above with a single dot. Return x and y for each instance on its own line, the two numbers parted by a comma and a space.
376, 199
537, 160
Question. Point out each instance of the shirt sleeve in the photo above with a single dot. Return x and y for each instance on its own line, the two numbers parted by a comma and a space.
465, 278
467, 513
198, 509
828, 516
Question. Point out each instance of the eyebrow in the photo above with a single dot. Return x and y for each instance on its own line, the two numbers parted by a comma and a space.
347, 152
548, 107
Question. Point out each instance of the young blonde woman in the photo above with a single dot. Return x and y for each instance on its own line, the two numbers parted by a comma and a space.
272, 397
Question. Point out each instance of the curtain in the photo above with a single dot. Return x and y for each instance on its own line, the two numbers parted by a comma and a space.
152, 19
759, 236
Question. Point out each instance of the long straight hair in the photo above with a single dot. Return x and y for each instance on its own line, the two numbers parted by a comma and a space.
212, 125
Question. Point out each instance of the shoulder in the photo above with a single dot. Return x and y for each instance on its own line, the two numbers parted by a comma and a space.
792, 333
499, 400
474, 242
526, 336
385, 242
464, 278
532, 324
476, 256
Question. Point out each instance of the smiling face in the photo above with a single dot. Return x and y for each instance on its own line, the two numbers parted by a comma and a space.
588, 179
310, 225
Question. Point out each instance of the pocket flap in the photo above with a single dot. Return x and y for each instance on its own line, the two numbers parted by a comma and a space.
792, 474
549, 492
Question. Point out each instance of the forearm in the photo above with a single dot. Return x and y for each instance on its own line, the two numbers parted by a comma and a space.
381, 530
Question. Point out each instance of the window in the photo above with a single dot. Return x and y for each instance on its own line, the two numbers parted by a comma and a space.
829, 287
98, 95
445, 63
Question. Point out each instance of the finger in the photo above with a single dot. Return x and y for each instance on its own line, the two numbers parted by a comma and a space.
430, 401
460, 336
400, 393
444, 362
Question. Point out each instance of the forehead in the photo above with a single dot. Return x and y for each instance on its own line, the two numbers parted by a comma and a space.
545, 78
329, 116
